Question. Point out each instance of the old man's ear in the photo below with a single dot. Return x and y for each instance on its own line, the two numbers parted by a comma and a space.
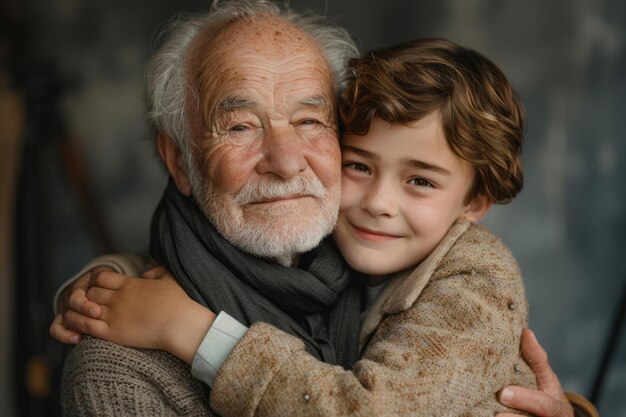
173, 159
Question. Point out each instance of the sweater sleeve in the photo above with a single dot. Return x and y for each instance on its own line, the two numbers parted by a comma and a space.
446, 355
104, 379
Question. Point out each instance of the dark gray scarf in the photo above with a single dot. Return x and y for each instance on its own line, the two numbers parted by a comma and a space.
317, 302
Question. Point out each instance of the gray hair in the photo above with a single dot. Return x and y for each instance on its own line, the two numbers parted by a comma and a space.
167, 87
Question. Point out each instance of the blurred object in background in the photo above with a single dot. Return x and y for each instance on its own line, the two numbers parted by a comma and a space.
11, 128
41, 166
50, 164
86, 151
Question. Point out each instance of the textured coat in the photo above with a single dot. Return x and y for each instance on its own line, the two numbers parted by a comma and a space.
440, 342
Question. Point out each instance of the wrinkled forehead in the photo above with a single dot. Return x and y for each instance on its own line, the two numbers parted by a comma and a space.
270, 36
255, 51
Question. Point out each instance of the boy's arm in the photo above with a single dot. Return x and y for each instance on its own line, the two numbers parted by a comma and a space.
121, 263
72, 294
147, 323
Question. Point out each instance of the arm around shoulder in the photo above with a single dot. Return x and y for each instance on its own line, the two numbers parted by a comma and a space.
127, 264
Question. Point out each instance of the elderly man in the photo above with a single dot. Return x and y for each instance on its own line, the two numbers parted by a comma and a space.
243, 103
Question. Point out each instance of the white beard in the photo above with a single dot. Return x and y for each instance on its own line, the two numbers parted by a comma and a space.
279, 233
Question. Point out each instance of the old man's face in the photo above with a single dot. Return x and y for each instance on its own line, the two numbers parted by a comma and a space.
270, 161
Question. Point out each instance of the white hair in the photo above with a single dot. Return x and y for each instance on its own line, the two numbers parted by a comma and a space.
168, 95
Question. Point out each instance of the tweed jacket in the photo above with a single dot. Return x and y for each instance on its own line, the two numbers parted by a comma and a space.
440, 342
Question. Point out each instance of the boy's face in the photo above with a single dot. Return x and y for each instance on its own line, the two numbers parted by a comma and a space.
402, 189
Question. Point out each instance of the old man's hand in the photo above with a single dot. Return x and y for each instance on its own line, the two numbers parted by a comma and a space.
547, 401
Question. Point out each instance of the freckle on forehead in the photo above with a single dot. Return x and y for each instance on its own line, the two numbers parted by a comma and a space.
259, 34
252, 44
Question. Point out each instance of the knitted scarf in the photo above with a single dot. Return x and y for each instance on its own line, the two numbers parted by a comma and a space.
317, 302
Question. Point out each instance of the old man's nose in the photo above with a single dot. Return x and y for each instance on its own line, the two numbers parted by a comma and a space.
283, 153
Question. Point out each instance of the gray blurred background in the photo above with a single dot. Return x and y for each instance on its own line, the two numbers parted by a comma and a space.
72, 136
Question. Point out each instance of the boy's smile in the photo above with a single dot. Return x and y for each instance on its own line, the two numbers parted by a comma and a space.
402, 189
373, 235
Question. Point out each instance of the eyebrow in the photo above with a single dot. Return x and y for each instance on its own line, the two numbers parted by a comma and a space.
425, 165
319, 101
232, 103
360, 152
414, 163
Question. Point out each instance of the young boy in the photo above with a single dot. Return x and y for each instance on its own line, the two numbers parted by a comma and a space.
432, 138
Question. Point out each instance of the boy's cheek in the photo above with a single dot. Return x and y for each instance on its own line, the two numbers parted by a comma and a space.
350, 194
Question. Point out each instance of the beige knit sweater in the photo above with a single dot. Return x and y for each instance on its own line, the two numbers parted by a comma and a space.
439, 342
104, 379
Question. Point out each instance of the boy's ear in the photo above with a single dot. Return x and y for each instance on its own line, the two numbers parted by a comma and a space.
477, 208
173, 160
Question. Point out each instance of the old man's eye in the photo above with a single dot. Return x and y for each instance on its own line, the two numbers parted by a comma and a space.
310, 125
239, 128
310, 122
309, 128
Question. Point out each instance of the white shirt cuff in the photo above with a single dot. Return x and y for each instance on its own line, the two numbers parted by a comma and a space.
219, 341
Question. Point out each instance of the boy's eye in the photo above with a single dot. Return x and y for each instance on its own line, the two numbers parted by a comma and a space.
358, 167
420, 182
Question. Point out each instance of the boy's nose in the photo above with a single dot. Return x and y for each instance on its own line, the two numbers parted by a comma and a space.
380, 201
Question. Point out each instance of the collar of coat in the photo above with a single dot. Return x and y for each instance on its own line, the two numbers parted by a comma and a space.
402, 292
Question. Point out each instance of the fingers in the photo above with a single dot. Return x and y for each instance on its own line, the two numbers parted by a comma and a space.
533, 401
547, 401
78, 300
537, 359
61, 333
79, 284
101, 296
85, 325
107, 278
155, 273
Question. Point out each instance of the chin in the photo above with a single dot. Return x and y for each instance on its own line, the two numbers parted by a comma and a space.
370, 265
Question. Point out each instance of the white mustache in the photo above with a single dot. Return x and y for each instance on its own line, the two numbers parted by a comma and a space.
271, 189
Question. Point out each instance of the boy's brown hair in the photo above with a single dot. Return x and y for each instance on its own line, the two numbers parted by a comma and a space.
482, 117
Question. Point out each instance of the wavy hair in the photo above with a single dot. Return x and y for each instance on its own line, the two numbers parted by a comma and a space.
482, 118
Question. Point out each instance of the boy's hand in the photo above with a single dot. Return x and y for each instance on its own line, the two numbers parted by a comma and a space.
74, 298
147, 313
547, 401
